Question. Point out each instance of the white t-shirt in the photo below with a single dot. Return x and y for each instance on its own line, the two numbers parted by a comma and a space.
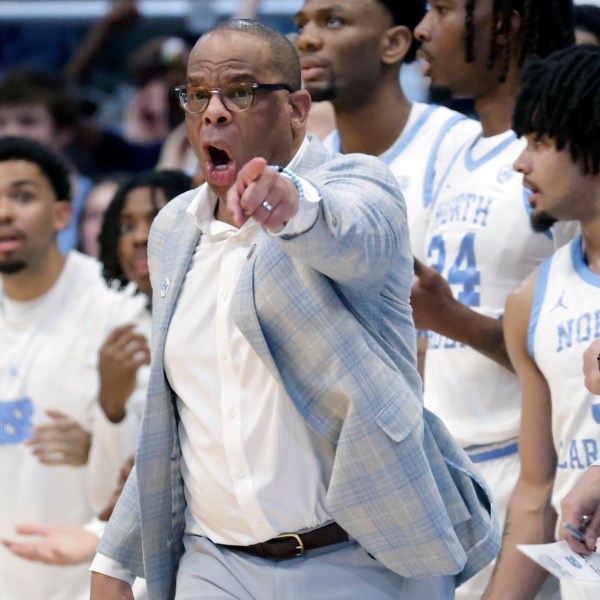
48, 360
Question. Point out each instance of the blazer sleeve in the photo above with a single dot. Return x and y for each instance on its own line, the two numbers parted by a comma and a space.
122, 537
361, 229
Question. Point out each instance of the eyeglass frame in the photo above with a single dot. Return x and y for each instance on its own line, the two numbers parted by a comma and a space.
268, 87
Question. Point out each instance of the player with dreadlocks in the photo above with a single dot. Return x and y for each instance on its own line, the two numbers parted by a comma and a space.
553, 316
479, 243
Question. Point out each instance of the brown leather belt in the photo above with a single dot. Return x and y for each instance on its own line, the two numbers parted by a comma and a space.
292, 545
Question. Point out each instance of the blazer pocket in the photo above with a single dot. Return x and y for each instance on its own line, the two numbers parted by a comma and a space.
400, 416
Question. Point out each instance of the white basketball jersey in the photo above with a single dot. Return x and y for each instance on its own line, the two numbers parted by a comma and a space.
565, 319
480, 239
413, 158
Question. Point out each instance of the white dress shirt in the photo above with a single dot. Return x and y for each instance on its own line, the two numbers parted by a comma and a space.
251, 466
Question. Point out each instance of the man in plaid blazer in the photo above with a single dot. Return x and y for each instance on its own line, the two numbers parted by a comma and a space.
324, 467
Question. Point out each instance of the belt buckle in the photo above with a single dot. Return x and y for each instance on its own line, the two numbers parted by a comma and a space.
300, 550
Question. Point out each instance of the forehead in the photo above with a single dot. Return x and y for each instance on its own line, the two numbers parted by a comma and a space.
226, 54
20, 171
16, 173
142, 199
32, 111
367, 10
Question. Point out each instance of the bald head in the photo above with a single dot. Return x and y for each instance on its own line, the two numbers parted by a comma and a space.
285, 62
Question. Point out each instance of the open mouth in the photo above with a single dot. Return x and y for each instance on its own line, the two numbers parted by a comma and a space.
219, 159
220, 166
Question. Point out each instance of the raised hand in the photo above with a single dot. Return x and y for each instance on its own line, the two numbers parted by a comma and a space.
262, 193
121, 355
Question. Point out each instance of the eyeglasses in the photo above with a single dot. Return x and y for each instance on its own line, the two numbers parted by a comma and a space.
236, 97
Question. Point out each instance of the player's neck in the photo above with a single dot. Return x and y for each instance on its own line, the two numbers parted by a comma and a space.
374, 126
495, 107
34, 281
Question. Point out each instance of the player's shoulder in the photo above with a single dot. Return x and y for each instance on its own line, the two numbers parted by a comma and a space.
442, 116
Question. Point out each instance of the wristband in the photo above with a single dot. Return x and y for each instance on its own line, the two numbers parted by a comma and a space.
295, 180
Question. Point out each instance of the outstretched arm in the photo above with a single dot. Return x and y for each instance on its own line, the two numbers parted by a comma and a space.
57, 544
122, 15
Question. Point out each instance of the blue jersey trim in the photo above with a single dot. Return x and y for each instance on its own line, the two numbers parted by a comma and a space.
405, 138
445, 175
539, 291
392, 154
579, 263
529, 211
430, 168
486, 455
471, 164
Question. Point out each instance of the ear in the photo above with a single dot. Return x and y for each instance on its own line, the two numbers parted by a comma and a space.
512, 33
61, 214
395, 43
299, 105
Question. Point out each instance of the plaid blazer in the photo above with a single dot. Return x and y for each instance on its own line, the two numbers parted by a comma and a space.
328, 312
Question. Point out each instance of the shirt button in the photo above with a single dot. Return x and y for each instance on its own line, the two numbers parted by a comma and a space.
231, 413
225, 297
240, 474
224, 355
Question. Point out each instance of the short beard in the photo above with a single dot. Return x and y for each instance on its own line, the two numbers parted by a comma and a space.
440, 95
10, 268
542, 221
323, 94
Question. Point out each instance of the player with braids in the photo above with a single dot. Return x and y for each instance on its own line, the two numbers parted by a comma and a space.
552, 317
479, 243
545, 26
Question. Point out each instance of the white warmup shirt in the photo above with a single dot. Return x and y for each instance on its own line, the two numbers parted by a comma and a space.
48, 360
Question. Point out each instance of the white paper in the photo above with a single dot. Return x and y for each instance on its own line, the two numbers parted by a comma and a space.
562, 562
